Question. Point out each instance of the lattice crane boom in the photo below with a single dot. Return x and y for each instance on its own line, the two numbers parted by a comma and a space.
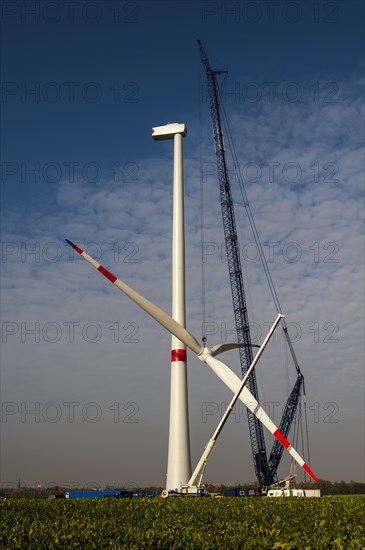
235, 270
266, 470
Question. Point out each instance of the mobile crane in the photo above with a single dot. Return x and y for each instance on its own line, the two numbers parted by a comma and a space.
265, 469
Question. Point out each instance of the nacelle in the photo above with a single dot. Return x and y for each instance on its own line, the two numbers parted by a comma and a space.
168, 131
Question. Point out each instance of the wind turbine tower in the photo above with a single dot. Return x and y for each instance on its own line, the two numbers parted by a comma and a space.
178, 462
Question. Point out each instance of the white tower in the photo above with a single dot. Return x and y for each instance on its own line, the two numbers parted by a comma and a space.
178, 463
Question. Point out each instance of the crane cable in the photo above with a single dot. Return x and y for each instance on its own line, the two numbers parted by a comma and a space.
202, 219
248, 208
255, 232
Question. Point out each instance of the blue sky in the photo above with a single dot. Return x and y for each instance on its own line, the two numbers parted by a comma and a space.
82, 88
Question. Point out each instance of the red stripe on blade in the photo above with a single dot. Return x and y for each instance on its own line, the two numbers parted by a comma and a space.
107, 274
279, 436
309, 472
78, 249
178, 355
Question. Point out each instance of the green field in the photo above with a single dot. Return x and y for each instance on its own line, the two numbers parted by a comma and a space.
257, 523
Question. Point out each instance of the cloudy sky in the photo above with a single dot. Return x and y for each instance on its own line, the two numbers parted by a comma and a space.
84, 372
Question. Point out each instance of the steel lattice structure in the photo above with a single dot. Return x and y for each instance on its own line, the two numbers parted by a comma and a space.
266, 471
285, 425
235, 273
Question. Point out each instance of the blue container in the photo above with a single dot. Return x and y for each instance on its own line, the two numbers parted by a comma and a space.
114, 493
230, 492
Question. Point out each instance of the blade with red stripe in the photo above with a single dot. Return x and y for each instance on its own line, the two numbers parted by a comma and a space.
158, 314
231, 380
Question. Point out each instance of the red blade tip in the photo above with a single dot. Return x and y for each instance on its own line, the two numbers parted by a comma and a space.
309, 471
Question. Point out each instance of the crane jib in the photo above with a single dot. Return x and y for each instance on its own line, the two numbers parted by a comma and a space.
265, 469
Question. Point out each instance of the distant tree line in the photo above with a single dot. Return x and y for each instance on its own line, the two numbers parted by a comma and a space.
339, 487
327, 488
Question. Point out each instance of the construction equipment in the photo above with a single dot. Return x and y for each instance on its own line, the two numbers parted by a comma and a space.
266, 470
286, 488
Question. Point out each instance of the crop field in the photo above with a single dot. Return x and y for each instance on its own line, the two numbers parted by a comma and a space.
201, 523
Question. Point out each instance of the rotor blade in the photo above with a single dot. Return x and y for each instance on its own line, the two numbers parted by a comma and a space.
233, 382
221, 348
158, 314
